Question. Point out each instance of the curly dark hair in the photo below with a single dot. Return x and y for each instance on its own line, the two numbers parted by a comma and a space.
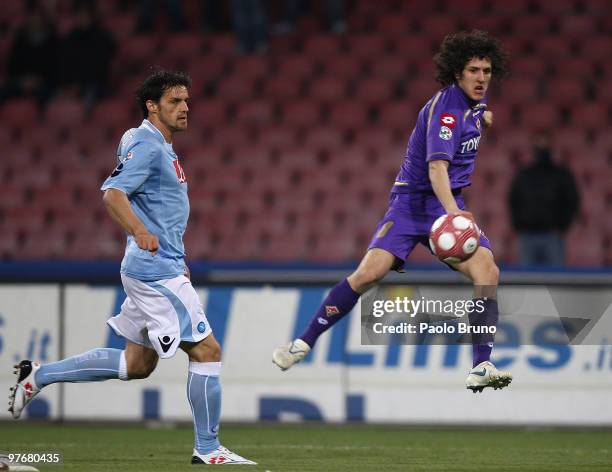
459, 48
154, 86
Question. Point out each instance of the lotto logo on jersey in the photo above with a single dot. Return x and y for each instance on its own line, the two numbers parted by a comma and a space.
448, 120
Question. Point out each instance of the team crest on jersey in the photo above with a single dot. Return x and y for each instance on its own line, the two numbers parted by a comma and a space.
445, 133
180, 174
478, 124
448, 120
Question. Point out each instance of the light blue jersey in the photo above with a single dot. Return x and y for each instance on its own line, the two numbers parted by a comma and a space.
149, 173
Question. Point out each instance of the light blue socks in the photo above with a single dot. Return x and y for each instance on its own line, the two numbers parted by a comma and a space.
93, 366
204, 394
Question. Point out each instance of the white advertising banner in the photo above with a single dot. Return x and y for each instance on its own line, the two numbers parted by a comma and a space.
29, 329
554, 384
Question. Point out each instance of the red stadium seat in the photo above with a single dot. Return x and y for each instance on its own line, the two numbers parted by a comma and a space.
41, 136
12, 194
576, 67
345, 67
375, 90
303, 113
391, 67
531, 26
413, 47
577, 26
349, 114
322, 46
235, 88
182, 46
544, 115
19, 112
557, 7
596, 48
323, 137
393, 25
41, 245
277, 137
209, 113
398, 114
438, 26
220, 44
237, 135
135, 53
260, 112
367, 46
520, 90
116, 113
518, 8
328, 88
210, 67
421, 89
252, 67
554, 47
590, 115
279, 88
566, 90
65, 111
296, 68
529, 68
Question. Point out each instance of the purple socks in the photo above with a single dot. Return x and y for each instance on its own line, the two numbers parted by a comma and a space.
482, 344
340, 300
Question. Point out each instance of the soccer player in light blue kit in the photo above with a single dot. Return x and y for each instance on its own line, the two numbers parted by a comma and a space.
147, 195
438, 164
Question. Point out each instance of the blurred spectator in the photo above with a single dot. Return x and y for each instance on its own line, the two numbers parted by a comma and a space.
32, 59
295, 9
148, 11
543, 202
212, 17
87, 53
251, 24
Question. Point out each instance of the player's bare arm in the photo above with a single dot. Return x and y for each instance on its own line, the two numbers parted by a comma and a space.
438, 175
120, 210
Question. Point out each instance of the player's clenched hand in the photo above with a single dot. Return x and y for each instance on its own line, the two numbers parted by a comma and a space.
467, 214
487, 116
147, 241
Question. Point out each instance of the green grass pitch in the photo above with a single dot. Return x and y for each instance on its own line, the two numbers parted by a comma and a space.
320, 448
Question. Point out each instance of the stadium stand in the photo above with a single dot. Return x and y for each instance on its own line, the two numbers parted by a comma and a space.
290, 155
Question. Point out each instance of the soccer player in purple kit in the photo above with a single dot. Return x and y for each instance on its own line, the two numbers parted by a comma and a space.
438, 164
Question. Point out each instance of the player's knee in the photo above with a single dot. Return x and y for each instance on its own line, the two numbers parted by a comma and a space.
140, 370
363, 277
491, 274
207, 350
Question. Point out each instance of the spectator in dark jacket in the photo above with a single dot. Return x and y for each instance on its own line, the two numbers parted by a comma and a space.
87, 54
544, 201
32, 59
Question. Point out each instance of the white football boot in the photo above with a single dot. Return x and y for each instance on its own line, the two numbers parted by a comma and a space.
25, 389
485, 375
220, 456
292, 353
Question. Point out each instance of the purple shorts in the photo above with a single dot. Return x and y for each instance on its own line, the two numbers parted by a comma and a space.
407, 223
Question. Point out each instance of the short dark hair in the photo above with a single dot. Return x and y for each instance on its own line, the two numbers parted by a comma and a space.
154, 86
458, 49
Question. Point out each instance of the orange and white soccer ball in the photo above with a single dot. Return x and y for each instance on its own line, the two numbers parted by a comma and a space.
454, 238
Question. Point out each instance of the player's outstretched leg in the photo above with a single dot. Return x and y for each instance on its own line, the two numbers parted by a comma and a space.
483, 271
338, 303
93, 366
204, 395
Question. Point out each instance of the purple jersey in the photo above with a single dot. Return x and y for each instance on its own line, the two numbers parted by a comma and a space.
448, 128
